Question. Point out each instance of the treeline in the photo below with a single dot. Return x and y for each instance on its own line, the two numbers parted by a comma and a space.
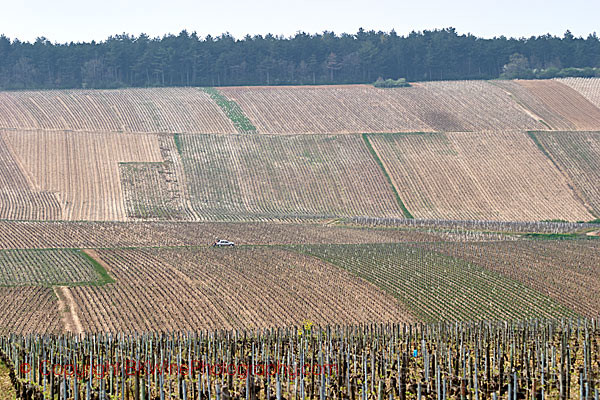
188, 60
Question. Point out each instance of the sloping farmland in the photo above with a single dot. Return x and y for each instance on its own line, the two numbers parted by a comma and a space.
587, 87
153, 110
562, 107
490, 176
242, 287
81, 168
230, 176
20, 198
577, 156
434, 106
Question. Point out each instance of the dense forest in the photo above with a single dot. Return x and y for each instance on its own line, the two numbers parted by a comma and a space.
188, 60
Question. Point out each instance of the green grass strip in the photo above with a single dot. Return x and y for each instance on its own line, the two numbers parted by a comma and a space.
100, 270
233, 111
178, 145
405, 211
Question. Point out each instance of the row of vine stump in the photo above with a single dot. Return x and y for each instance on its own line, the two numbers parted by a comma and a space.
484, 360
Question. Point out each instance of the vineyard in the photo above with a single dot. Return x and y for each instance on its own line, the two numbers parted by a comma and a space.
567, 271
577, 156
470, 106
265, 175
521, 359
27, 309
587, 87
19, 198
155, 110
212, 282
492, 175
124, 279
560, 106
49, 235
439, 106
438, 241
46, 268
437, 287
81, 169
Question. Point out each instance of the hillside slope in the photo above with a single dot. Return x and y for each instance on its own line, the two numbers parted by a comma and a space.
489, 176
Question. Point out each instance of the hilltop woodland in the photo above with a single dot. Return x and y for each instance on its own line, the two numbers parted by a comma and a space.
327, 58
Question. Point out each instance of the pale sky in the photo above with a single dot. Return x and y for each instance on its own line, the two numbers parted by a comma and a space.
81, 20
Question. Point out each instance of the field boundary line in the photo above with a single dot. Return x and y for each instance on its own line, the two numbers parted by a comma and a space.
377, 159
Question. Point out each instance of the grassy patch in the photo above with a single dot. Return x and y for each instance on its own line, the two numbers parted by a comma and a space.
232, 110
405, 211
540, 146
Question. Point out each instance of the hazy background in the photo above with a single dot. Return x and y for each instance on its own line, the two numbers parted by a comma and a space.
72, 20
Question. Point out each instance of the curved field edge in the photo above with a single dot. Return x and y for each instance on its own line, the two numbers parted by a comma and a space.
436, 287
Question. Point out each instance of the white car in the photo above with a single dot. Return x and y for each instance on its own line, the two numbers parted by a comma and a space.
221, 242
